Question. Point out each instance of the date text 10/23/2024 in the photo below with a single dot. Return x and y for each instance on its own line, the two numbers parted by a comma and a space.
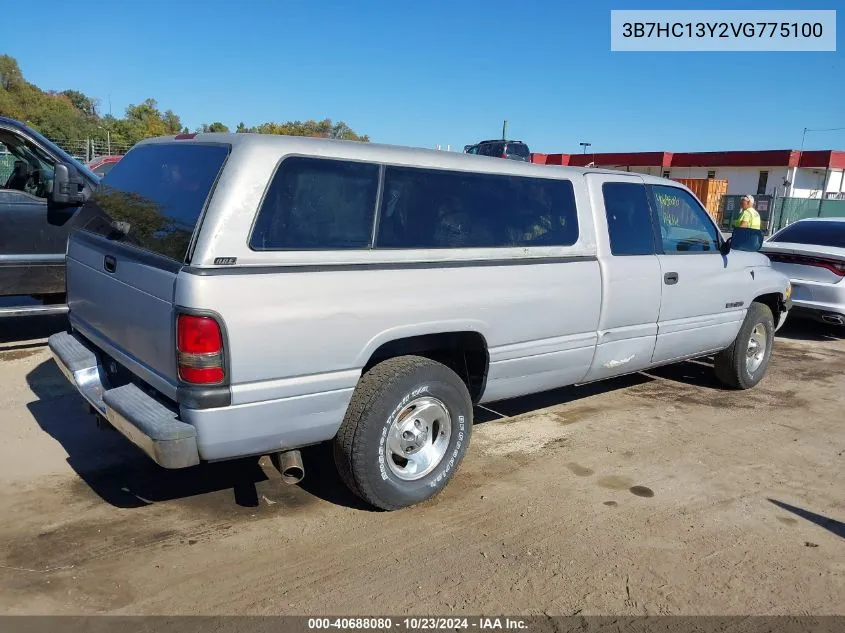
418, 623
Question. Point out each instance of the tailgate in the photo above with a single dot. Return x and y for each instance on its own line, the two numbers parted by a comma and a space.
123, 302
130, 241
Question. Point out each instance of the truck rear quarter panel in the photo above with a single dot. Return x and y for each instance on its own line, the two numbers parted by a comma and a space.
295, 333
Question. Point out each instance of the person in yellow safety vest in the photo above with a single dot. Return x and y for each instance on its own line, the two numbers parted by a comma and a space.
748, 218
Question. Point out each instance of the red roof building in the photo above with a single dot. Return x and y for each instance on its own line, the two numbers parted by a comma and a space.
792, 173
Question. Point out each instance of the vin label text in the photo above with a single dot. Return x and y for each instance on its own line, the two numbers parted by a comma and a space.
740, 31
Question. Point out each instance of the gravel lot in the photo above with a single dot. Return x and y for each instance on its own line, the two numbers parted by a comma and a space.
658, 494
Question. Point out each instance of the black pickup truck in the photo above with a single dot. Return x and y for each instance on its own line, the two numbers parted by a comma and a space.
41, 189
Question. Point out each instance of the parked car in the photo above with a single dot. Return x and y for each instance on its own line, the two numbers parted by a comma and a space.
811, 252
240, 294
41, 189
514, 150
103, 164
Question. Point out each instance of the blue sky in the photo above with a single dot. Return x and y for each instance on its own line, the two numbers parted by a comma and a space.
437, 72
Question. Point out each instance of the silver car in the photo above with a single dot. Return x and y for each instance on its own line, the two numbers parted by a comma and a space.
237, 294
811, 252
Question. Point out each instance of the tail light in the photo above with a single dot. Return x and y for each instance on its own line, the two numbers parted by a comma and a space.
834, 266
199, 347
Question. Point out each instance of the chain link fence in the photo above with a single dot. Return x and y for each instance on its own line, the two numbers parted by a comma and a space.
776, 213
789, 210
86, 150
7, 163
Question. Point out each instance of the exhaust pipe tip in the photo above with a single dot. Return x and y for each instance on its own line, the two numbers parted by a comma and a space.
289, 464
836, 319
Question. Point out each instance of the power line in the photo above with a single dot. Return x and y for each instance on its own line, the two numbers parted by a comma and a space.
806, 129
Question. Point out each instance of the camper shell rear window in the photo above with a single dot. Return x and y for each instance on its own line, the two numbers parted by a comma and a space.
154, 197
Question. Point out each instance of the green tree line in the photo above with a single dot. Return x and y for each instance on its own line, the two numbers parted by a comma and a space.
70, 115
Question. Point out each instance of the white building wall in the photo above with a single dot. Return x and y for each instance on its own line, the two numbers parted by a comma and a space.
651, 171
688, 172
808, 183
836, 181
742, 180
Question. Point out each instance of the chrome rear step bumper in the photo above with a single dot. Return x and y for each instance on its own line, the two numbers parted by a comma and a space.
42, 310
146, 422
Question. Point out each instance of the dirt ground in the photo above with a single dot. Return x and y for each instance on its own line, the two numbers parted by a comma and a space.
658, 494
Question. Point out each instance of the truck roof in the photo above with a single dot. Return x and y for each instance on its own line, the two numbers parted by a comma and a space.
384, 153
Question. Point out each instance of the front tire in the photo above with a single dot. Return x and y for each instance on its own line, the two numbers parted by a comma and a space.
744, 363
405, 432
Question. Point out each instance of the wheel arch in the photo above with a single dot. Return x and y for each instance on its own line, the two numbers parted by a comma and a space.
775, 302
464, 351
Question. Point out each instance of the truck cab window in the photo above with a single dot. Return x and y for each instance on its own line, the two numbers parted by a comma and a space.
685, 226
628, 218
24, 167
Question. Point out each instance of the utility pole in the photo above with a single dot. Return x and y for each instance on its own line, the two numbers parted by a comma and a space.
801, 153
505, 130
585, 146
108, 138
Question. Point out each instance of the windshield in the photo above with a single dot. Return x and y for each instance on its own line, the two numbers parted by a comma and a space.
518, 149
24, 166
819, 233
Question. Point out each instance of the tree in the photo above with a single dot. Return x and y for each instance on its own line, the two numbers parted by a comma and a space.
217, 126
85, 104
320, 129
10, 73
172, 123
145, 120
71, 115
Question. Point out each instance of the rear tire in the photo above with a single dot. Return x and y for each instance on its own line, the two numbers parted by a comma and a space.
405, 406
744, 363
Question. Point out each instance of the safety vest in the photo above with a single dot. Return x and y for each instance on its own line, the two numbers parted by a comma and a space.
749, 216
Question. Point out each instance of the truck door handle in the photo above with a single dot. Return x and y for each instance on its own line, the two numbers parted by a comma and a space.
109, 264
670, 279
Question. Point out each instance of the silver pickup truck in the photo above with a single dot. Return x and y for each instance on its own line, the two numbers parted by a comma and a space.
235, 294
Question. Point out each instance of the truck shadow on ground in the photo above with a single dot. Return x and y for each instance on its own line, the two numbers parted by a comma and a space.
32, 328
126, 478
696, 373
831, 525
806, 330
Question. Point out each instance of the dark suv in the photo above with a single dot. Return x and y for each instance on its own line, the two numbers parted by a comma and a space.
514, 150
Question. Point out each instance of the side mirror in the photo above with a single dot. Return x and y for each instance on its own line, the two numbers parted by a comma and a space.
743, 239
68, 186
726, 246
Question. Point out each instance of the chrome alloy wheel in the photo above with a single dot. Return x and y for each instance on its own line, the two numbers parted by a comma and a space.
756, 351
418, 438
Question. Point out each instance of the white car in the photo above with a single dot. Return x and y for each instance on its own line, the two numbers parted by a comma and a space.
811, 253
